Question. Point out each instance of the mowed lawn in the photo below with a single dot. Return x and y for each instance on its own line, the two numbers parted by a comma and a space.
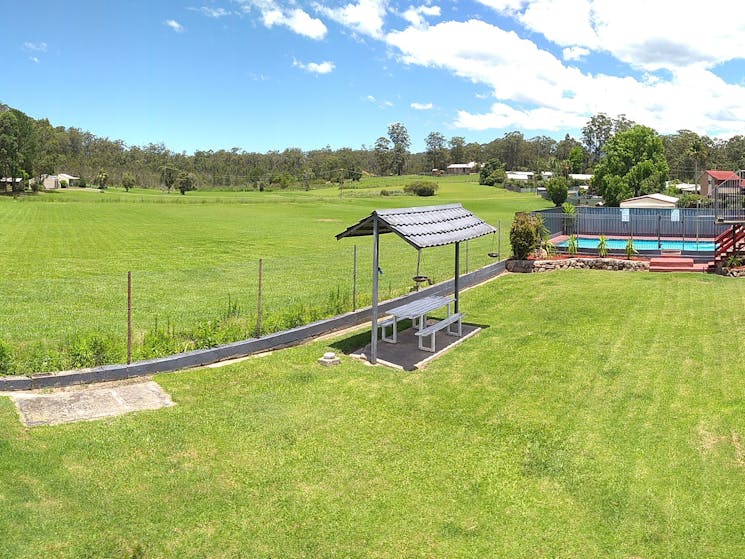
65, 258
596, 415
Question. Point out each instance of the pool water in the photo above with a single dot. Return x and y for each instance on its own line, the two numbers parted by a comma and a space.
644, 244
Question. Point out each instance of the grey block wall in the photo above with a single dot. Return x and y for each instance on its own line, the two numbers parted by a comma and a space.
201, 357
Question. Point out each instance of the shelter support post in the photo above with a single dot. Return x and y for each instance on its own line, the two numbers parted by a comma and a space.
456, 280
374, 337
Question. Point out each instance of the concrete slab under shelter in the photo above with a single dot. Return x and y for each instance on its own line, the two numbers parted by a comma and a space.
84, 403
406, 355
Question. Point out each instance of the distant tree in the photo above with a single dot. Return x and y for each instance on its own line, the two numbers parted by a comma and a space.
492, 173
576, 159
168, 176
458, 150
355, 174
128, 181
435, 143
599, 130
102, 178
634, 163
10, 156
185, 182
382, 152
557, 190
399, 137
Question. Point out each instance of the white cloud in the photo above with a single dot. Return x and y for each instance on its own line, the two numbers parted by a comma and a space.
631, 30
416, 16
211, 12
296, 19
35, 47
175, 25
34, 59
534, 90
315, 67
382, 104
365, 17
575, 53
422, 106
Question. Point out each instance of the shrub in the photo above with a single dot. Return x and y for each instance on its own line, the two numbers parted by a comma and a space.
421, 188
572, 245
63, 183
525, 234
557, 190
492, 173
91, 351
630, 249
603, 247
82, 183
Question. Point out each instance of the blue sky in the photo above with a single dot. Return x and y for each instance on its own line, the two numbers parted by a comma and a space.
270, 74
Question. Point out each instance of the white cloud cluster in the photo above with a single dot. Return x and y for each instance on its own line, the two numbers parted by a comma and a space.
662, 71
385, 104
422, 106
35, 47
315, 67
534, 90
211, 12
175, 25
294, 18
416, 15
366, 17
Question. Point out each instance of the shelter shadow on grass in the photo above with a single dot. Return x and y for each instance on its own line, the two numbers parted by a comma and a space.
405, 354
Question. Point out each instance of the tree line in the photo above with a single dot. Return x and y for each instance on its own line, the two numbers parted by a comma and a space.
33, 147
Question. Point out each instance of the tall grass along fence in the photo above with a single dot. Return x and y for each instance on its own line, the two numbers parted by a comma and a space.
685, 223
200, 357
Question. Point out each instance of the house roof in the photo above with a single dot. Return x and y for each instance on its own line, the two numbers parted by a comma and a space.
423, 227
651, 197
470, 165
723, 175
65, 176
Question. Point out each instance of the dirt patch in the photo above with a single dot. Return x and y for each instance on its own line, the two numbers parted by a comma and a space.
739, 453
329, 220
88, 403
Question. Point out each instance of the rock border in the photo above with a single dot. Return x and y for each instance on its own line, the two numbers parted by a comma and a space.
611, 264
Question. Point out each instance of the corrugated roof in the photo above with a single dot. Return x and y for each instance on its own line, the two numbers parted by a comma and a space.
423, 227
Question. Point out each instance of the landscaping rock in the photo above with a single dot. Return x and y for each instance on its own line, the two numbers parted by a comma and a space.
538, 266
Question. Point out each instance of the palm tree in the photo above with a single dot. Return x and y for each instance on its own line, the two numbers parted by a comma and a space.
697, 150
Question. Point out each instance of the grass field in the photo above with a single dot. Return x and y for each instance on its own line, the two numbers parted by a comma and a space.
596, 415
65, 257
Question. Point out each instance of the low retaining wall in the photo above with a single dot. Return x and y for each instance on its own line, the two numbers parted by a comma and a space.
536, 266
201, 357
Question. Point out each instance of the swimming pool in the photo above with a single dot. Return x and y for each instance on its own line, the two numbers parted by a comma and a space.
643, 244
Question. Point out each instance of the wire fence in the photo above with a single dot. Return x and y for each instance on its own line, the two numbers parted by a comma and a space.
101, 317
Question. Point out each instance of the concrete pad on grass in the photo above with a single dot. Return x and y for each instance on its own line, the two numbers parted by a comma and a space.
405, 353
83, 403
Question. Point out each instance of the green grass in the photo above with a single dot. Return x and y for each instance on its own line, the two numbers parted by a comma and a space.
65, 257
571, 426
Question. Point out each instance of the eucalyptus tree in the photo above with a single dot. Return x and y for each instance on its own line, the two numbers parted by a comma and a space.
399, 137
435, 143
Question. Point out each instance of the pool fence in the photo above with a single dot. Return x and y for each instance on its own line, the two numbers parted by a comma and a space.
684, 223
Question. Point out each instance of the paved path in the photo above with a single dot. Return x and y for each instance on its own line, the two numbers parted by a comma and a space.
86, 403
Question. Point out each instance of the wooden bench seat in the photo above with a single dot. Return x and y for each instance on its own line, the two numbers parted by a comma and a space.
431, 330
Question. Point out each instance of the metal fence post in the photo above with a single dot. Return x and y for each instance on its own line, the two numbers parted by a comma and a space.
258, 311
354, 281
129, 318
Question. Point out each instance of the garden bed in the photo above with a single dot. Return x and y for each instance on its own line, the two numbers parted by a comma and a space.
577, 263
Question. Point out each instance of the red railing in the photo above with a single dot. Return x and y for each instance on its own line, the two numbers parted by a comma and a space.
728, 242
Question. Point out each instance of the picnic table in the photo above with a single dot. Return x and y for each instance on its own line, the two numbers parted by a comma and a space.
417, 311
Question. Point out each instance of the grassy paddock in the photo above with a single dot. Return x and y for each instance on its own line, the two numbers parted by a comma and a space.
571, 426
66, 255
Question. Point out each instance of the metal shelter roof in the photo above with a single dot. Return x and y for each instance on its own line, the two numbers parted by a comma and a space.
423, 227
